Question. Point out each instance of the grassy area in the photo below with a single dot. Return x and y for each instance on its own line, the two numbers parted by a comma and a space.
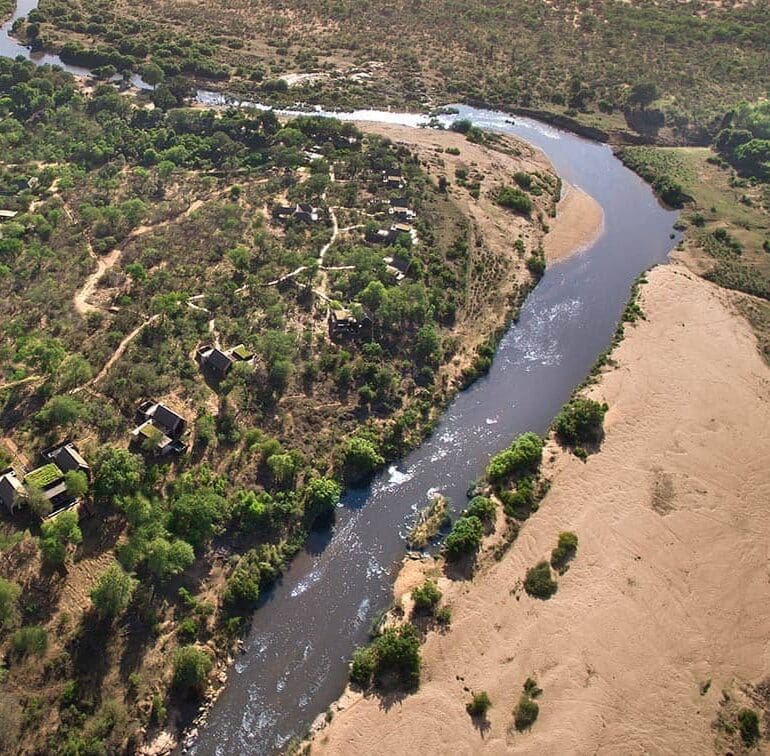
580, 58
43, 476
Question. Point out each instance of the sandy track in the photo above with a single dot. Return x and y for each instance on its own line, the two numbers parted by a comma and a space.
579, 221
669, 588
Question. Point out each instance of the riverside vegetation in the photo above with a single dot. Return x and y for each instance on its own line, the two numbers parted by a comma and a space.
115, 622
725, 192
593, 61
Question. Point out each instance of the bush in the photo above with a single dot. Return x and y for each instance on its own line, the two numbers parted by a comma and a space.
192, 666
112, 592
538, 582
565, 550
479, 705
580, 421
748, 723
465, 537
395, 652
30, 640
522, 456
363, 666
513, 198
361, 457
321, 497
426, 596
9, 595
482, 507
525, 714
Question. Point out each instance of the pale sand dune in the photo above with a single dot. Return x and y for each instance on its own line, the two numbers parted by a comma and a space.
670, 585
579, 221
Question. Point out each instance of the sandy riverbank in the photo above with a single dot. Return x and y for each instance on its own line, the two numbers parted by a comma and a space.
578, 223
669, 589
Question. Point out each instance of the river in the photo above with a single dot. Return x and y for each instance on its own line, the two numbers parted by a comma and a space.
295, 659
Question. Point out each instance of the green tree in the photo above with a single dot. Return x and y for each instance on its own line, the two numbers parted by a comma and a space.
748, 723
166, 558
525, 713
479, 705
321, 496
38, 503
61, 411
153, 74
112, 592
565, 550
192, 666
643, 93
361, 456
77, 483
538, 581
426, 596
9, 595
195, 514
117, 472
580, 421
464, 538
482, 507
57, 534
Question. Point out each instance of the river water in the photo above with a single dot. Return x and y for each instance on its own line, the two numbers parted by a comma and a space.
295, 660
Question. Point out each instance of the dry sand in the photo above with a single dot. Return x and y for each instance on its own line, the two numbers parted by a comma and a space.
670, 585
579, 221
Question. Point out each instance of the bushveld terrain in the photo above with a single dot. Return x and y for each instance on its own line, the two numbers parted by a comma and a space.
143, 234
591, 60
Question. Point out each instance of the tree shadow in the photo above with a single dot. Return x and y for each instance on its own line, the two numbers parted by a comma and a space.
460, 569
481, 723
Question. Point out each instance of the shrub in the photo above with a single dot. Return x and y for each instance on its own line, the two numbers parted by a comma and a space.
30, 640
513, 198
426, 596
9, 595
525, 714
112, 592
531, 688
522, 456
580, 421
479, 705
192, 666
363, 666
565, 550
361, 456
243, 585
538, 582
748, 723
395, 652
465, 537
444, 616
482, 507
321, 497
521, 502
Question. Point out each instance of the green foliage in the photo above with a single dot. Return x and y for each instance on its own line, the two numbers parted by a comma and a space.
525, 713
426, 596
361, 456
464, 538
515, 199
194, 515
482, 507
77, 483
57, 534
538, 581
663, 169
192, 666
394, 653
521, 457
29, 640
565, 550
166, 558
580, 421
748, 725
479, 705
117, 472
61, 411
9, 596
321, 496
112, 592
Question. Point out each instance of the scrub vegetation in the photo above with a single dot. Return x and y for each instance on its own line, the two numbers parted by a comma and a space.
593, 61
134, 237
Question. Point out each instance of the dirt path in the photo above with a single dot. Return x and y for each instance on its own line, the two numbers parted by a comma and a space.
20, 382
116, 355
669, 588
108, 261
